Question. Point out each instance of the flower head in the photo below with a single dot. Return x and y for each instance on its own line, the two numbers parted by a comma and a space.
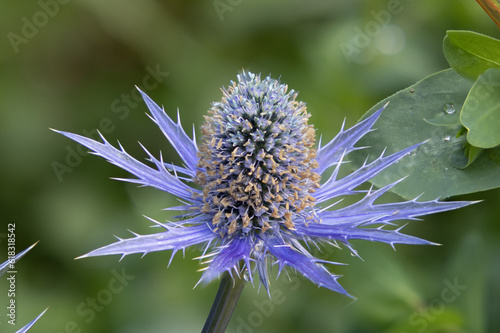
257, 159
252, 190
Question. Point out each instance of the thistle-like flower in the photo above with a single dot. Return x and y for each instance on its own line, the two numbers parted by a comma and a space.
252, 191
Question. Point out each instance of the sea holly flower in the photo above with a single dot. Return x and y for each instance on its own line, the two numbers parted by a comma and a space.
252, 192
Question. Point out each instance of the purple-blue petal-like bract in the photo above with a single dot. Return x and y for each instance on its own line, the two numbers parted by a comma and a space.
252, 189
8, 265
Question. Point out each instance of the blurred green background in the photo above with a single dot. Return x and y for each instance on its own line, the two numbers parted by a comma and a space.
72, 65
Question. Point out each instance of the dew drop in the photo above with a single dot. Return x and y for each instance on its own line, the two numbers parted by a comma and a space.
246, 276
449, 108
447, 138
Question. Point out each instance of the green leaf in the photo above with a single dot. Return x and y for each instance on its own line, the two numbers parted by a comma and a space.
481, 111
470, 54
461, 158
427, 169
449, 116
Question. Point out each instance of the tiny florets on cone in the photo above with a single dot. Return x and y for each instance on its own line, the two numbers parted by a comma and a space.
256, 160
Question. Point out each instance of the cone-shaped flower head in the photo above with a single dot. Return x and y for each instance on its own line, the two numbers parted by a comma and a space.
257, 159
252, 190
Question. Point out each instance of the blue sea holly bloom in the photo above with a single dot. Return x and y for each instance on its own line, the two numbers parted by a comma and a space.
252, 193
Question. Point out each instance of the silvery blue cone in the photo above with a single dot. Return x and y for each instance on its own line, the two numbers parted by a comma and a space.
252, 190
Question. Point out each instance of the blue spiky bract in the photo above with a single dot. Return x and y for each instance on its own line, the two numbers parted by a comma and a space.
252, 189
5, 267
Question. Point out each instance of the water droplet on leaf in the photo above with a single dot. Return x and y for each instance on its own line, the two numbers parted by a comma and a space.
447, 137
449, 108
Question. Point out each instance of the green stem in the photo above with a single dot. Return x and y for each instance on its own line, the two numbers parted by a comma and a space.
224, 303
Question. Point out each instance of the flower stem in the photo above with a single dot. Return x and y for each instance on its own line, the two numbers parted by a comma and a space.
224, 303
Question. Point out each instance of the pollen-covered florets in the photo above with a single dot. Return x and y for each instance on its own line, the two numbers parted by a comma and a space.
256, 158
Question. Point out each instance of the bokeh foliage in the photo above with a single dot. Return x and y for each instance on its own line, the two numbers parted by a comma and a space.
77, 71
